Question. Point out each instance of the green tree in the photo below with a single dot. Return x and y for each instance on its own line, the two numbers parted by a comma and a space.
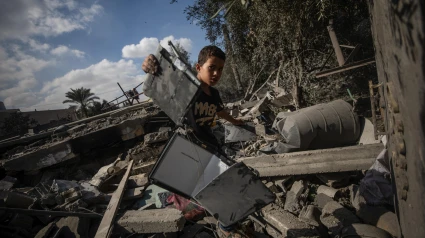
81, 96
17, 123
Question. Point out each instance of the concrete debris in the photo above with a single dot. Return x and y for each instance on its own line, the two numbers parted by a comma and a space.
311, 215
322, 199
75, 169
156, 137
151, 221
335, 216
287, 224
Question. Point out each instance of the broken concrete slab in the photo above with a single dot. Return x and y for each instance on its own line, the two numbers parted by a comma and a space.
42, 158
311, 215
156, 137
381, 218
152, 221
334, 216
260, 107
363, 230
351, 158
287, 224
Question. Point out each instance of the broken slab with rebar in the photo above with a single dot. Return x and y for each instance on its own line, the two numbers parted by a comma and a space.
342, 159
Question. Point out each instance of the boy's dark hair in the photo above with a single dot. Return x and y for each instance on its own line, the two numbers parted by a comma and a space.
208, 51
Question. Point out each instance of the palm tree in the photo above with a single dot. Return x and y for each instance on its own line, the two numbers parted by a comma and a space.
81, 96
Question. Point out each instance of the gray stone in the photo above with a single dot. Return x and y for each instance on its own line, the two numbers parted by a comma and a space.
260, 130
156, 137
152, 221
287, 224
298, 187
311, 215
334, 216
364, 230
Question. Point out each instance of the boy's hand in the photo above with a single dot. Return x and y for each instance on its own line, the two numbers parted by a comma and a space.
150, 65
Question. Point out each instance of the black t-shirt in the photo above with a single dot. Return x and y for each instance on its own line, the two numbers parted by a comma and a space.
201, 115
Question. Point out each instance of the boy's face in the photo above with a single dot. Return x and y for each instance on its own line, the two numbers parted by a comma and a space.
210, 72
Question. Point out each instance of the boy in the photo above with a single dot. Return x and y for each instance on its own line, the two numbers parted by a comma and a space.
201, 116
210, 65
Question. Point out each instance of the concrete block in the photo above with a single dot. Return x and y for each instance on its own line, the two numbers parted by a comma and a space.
260, 130
298, 187
287, 224
139, 180
156, 137
331, 192
131, 129
291, 203
311, 215
152, 221
381, 218
342, 159
334, 216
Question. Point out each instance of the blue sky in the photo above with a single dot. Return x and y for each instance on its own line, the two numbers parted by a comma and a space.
49, 46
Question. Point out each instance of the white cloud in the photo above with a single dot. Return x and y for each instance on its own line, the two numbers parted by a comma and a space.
64, 50
17, 75
36, 46
101, 78
20, 19
148, 46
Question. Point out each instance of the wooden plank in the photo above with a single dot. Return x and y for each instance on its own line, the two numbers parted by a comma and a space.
105, 227
346, 67
335, 44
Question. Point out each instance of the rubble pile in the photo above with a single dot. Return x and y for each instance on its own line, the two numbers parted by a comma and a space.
92, 178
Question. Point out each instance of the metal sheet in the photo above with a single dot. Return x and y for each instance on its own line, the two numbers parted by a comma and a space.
180, 166
172, 90
234, 195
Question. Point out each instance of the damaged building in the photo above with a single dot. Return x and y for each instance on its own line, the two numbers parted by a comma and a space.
320, 171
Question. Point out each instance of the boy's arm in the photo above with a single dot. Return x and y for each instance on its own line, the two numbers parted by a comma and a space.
223, 114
